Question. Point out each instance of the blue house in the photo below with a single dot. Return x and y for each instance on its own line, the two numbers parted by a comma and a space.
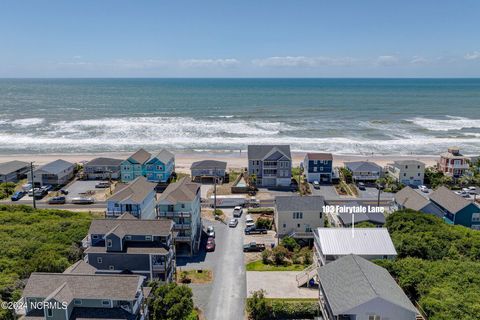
156, 168
457, 209
318, 167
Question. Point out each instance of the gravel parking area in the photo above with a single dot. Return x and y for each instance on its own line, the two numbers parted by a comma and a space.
278, 284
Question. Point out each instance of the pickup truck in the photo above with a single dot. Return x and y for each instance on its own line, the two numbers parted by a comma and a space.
254, 230
253, 247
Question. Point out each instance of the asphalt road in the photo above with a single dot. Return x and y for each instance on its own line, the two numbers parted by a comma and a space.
225, 297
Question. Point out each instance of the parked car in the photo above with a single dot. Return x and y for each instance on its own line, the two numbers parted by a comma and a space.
18, 195
233, 223
472, 190
82, 200
255, 230
249, 221
237, 211
462, 194
26, 187
423, 188
211, 232
253, 247
47, 187
361, 186
316, 184
64, 191
37, 192
466, 190
210, 244
102, 185
57, 200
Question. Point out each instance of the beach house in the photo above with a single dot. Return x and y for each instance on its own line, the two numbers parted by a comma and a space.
408, 198
270, 165
13, 171
355, 288
407, 172
55, 173
78, 293
137, 198
208, 170
297, 216
318, 167
156, 168
452, 163
102, 169
369, 243
456, 209
180, 202
364, 171
130, 245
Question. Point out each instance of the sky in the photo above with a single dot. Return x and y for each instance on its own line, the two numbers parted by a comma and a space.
247, 38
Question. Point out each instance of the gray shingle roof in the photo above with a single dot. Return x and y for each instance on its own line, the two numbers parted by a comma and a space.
447, 199
164, 156
363, 166
83, 286
352, 281
160, 227
56, 166
136, 191
141, 156
80, 267
374, 217
411, 199
299, 203
258, 152
181, 191
12, 166
104, 162
209, 164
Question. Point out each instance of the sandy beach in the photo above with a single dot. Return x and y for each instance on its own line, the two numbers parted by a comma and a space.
235, 160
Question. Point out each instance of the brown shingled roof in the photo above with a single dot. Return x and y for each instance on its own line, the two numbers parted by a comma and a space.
319, 156
135, 191
449, 199
181, 191
141, 156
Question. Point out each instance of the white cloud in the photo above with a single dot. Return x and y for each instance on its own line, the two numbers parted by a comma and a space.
387, 60
419, 60
475, 55
302, 61
200, 63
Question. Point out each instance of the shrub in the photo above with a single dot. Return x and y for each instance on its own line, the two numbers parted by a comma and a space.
218, 212
294, 310
171, 302
279, 253
267, 256
263, 223
257, 306
290, 243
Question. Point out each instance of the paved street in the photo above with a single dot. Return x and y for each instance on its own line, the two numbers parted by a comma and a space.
225, 297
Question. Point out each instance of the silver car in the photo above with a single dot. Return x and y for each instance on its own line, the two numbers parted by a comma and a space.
233, 223
210, 232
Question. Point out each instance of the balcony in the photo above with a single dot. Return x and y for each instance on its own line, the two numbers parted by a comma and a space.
86, 242
171, 214
158, 267
183, 238
182, 226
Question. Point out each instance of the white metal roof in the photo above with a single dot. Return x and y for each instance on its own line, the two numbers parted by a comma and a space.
359, 241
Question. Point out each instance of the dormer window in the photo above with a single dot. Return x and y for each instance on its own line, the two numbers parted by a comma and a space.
148, 237
109, 243
128, 237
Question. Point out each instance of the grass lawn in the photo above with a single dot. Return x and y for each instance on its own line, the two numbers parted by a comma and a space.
195, 276
260, 266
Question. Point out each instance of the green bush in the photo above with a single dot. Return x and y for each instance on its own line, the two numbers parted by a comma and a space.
290, 243
257, 306
294, 310
279, 255
171, 302
263, 223
7, 189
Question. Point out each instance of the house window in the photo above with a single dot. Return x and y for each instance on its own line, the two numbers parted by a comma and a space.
77, 302
183, 205
95, 236
298, 215
106, 302
99, 260
148, 237
109, 243
405, 174
128, 237
314, 169
49, 313
374, 317
476, 217
111, 268
298, 225
284, 225
418, 174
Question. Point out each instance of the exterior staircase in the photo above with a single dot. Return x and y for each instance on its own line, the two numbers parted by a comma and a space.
307, 274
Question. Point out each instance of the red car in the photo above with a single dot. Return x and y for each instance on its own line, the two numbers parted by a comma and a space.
210, 244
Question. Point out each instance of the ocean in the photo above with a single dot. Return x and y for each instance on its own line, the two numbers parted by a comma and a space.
343, 116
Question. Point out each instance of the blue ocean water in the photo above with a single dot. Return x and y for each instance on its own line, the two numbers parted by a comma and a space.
384, 116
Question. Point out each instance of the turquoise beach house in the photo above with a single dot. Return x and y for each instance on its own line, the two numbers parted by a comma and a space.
156, 168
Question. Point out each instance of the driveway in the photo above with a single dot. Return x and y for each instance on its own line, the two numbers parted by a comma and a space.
372, 193
79, 188
327, 191
224, 298
278, 284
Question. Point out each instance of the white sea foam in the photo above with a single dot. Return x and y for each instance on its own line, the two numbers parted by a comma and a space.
27, 122
451, 123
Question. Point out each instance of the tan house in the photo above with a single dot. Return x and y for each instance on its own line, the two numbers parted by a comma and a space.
407, 172
297, 216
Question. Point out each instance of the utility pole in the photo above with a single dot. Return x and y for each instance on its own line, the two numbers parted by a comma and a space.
215, 193
33, 185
